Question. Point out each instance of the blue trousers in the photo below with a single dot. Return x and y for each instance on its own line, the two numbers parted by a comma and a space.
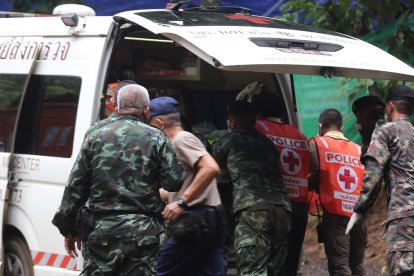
203, 255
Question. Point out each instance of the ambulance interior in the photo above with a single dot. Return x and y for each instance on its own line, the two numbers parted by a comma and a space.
168, 69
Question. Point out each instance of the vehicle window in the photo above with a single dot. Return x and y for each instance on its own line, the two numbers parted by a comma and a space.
205, 18
11, 88
47, 122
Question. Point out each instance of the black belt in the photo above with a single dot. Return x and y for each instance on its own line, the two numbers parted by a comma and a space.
104, 214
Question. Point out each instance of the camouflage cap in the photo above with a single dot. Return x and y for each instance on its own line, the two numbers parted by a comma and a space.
400, 92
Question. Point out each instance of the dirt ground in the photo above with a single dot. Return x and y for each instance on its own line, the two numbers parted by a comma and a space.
314, 259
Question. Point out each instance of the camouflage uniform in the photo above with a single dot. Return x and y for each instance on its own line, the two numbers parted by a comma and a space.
119, 169
101, 123
366, 140
391, 154
260, 201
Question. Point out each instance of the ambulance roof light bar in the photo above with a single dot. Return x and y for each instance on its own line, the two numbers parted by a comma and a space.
80, 10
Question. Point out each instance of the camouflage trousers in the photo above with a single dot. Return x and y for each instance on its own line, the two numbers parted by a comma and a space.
117, 256
400, 246
261, 240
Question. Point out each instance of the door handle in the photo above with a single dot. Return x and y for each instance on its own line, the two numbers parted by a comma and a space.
12, 179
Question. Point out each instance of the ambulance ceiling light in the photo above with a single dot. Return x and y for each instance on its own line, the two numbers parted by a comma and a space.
75, 22
149, 39
70, 20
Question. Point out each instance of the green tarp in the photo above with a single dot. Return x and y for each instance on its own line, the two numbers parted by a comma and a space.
314, 95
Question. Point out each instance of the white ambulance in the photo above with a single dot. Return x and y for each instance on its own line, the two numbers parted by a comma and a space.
54, 72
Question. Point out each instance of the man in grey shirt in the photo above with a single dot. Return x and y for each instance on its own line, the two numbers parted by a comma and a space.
201, 250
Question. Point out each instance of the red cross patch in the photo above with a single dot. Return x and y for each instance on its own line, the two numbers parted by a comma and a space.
290, 161
347, 179
257, 20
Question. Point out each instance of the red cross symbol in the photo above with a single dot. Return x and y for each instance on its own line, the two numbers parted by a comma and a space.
252, 19
347, 178
291, 161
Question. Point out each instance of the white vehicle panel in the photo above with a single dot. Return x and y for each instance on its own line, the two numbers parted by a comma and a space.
53, 26
54, 49
42, 179
50, 271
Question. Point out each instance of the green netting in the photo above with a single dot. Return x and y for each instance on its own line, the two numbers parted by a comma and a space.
314, 94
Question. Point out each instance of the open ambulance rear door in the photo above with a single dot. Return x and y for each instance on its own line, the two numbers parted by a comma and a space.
231, 39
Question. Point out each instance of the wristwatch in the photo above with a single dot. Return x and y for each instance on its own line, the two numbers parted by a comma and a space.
180, 201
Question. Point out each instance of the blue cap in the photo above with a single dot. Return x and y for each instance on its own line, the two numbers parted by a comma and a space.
163, 106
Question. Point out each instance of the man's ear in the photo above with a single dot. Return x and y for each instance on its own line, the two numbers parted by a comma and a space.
160, 122
146, 114
146, 111
156, 122
392, 106
232, 124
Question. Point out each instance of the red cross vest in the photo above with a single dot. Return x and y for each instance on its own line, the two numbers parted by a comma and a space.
293, 149
340, 175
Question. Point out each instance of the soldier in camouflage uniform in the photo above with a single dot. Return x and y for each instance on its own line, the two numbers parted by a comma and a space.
391, 155
119, 170
260, 203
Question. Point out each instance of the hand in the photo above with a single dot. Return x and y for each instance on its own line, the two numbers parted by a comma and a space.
172, 211
70, 245
354, 219
163, 195
249, 91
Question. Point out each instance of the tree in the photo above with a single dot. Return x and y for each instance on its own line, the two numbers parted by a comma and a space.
39, 6
358, 18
